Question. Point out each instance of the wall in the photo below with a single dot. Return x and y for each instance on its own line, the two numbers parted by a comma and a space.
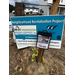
62, 2
45, 8
60, 11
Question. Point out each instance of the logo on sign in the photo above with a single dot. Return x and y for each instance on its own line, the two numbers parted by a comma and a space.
17, 28
51, 27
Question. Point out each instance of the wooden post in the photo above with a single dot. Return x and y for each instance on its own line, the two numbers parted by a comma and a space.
40, 54
54, 7
52, 12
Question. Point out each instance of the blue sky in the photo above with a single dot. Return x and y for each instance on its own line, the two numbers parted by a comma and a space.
12, 2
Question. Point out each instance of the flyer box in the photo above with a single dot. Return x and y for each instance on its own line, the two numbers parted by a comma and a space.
43, 39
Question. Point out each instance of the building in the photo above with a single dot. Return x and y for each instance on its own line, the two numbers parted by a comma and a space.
31, 10
45, 10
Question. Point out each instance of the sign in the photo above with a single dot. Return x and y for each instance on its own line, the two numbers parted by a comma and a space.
14, 39
26, 29
62, 2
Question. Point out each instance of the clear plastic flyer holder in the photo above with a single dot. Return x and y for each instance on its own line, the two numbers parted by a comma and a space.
43, 39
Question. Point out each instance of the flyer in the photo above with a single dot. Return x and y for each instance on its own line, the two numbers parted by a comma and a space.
26, 29
43, 39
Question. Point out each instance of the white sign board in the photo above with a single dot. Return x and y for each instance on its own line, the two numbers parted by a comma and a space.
62, 2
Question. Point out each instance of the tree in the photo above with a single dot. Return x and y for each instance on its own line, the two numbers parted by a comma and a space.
11, 8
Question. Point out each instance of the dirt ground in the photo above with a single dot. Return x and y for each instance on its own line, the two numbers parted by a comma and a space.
54, 60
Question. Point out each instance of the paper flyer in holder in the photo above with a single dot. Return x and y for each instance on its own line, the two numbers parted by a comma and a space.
43, 39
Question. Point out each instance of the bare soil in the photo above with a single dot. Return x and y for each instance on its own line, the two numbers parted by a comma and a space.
54, 60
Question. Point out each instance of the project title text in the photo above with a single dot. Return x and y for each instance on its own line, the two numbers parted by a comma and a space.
38, 21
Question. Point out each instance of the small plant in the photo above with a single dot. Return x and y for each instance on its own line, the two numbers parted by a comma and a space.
43, 60
35, 54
